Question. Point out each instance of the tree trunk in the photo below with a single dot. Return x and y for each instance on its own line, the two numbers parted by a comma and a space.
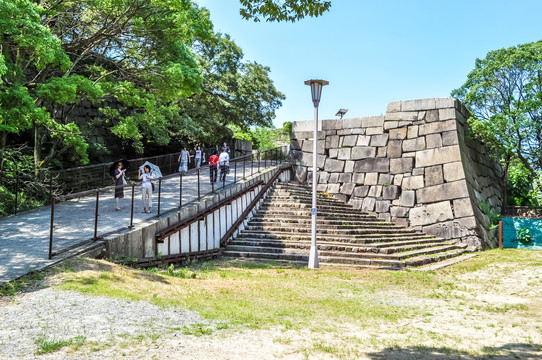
3, 140
37, 149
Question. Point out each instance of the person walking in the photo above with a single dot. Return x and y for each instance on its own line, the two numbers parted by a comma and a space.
119, 184
224, 162
198, 156
226, 148
146, 188
184, 159
213, 164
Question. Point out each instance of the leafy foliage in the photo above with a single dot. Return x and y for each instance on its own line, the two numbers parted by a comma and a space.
504, 91
282, 10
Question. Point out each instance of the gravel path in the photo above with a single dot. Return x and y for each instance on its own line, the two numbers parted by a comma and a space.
56, 315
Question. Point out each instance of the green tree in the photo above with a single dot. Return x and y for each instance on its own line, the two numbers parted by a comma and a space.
504, 93
282, 10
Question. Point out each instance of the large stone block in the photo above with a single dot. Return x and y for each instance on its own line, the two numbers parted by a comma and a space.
379, 140
344, 154
450, 138
333, 178
414, 144
371, 178
398, 116
332, 124
398, 134
382, 206
449, 114
358, 178
413, 182
351, 123
412, 131
401, 165
408, 198
438, 127
368, 204
323, 177
394, 148
421, 104
390, 124
349, 166
345, 177
447, 191
363, 152
433, 175
453, 229
430, 214
333, 165
375, 130
463, 207
453, 171
431, 116
350, 140
399, 211
390, 192
305, 159
385, 179
361, 191
382, 151
300, 174
394, 106
333, 188
333, 153
446, 102
296, 144
348, 188
308, 144
433, 141
375, 191
363, 140
372, 165
332, 141
372, 121
438, 156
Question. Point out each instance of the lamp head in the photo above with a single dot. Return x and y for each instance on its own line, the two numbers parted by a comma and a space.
316, 89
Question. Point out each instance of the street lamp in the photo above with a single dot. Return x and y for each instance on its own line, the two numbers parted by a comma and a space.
316, 92
341, 112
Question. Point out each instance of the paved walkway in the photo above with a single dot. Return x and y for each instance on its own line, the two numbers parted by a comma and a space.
25, 237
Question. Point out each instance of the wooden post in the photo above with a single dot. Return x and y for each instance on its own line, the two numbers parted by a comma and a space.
500, 234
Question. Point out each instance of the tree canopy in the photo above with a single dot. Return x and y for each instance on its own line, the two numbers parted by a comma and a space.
504, 92
282, 10
160, 60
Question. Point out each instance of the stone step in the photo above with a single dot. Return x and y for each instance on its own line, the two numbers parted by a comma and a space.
290, 199
397, 247
332, 260
298, 205
322, 210
323, 224
305, 214
424, 259
324, 251
331, 230
383, 240
287, 219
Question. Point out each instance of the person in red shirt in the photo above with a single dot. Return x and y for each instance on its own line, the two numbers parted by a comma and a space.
213, 167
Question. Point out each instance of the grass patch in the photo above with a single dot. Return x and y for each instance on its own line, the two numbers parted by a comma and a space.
15, 287
46, 347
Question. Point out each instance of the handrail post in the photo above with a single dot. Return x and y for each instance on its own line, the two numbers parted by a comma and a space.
132, 210
251, 164
244, 161
16, 190
159, 194
198, 185
180, 189
265, 159
259, 160
235, 172
51, 228
96, 214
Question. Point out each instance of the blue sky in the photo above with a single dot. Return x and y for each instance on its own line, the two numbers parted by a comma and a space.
374, 52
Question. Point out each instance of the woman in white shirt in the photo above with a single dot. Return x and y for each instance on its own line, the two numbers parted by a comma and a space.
146, 188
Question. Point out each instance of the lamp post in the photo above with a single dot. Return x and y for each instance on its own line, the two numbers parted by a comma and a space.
316, 92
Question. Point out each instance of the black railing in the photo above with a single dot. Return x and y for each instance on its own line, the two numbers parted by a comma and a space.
90, 215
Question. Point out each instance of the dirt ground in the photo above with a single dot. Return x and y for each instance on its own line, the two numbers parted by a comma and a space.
494, 312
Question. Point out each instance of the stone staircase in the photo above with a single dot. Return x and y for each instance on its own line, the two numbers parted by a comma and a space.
281, 231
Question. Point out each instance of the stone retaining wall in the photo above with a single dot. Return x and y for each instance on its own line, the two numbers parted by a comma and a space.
413, 166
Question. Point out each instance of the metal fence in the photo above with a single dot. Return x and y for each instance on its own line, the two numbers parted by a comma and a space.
90, 215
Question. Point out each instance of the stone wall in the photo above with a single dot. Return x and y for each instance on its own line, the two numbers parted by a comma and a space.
412, 166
